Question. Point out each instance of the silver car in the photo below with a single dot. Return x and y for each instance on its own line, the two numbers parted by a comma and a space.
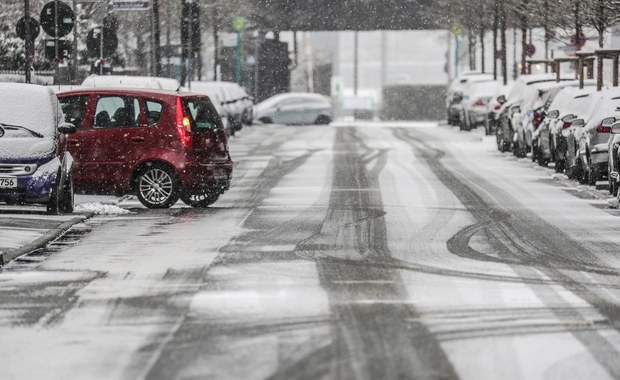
294, 108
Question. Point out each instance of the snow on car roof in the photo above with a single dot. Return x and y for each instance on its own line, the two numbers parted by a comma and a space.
131, 81
29, 105
605, 104
483, 89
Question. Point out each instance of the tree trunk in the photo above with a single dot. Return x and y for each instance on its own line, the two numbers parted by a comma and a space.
503, 43
546, 34
577, 25
482, 30
523, 19
472, 50
495, 26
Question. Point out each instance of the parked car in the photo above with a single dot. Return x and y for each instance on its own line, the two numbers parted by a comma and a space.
294, 108
536, 99
455, 94
494, 106
234, 100
474, 106
593, 137
35, 166
574, 166
160, 145
613, 163
510, 111
551, 141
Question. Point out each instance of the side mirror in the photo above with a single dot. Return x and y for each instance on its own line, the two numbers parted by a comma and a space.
608, 122
568, 118
578, 123
515, 109
615, 128
501, 99
553, 114
67, 128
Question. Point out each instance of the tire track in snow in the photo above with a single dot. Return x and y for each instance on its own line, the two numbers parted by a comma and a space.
530, 246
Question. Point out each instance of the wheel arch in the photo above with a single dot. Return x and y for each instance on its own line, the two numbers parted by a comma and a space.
145, 164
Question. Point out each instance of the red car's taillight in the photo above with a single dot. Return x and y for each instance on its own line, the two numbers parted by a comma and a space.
601, 129
184, 125
498, 107
479, 103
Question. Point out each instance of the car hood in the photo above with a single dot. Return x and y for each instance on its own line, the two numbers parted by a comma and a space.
25, 149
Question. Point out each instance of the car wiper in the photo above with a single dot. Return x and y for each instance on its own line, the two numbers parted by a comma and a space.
19, 127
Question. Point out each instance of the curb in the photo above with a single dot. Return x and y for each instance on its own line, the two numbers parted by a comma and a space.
49, 236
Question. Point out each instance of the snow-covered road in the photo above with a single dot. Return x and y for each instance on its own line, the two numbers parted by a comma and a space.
366, 251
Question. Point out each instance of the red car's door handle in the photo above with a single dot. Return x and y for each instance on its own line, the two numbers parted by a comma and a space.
137, 139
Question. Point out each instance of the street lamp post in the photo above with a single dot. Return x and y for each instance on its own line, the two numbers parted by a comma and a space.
238, 25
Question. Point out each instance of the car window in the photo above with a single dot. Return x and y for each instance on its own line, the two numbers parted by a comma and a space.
117, 112
292, 102
74, 108
202, 113
153, 111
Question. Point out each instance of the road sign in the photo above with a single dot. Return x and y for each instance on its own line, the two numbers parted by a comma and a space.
456, 29
66, 19
131, 5
582, 41
64, 49
35, 29
530, 50
110, 22
238, 24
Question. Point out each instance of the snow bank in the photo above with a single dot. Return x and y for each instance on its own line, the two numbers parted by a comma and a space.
101, 209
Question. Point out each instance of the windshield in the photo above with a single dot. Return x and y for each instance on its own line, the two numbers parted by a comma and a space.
32, 108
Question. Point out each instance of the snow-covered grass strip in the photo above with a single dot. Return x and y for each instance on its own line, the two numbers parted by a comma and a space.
100, 209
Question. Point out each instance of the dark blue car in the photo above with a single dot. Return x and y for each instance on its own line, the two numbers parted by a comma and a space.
35, 166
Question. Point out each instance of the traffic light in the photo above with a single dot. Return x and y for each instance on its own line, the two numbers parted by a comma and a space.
190, 24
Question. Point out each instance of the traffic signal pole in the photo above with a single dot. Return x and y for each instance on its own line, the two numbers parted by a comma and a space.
156, 38
56, 50
28, 40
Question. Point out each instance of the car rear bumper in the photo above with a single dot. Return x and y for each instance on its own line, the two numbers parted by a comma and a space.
214, 176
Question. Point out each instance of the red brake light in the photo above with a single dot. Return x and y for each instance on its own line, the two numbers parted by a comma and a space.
479, 103
498, 107
184, 126
566, 125
601, 129
537, 119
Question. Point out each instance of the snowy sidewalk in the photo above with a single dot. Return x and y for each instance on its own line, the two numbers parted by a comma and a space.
24, 229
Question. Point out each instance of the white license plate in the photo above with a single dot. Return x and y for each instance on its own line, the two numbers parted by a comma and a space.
8, 183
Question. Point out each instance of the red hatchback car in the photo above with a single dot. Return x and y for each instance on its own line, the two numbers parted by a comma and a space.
159, 145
